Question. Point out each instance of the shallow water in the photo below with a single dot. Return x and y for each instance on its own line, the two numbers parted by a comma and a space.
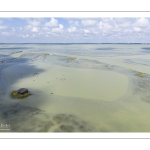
75, 87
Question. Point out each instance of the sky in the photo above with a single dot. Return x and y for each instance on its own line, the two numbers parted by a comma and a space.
75, 30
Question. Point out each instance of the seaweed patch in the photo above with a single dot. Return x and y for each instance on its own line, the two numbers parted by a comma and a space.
72, 59
140, 74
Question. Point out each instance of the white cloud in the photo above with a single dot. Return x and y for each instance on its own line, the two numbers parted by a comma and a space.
72, 29
107, 20
59, 29
40, 33
3, 27
6, 33
124, 24
70, 21
88, 22
28, 27
86, 31
34, 29
24, 35
13, 29
94, 28
45, 28
61, 26
104, 26
73, 23
48, 32
137, 29
52, 23
85, 35
142, 22
34, 23
76, 23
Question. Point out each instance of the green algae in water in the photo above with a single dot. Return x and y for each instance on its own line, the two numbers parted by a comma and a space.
15, 94
16, 52
71, 59
140, 74
45, 55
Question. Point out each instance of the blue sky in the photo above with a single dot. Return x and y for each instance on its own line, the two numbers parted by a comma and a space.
75, 30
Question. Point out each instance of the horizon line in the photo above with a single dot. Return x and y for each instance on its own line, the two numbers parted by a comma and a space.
74, 43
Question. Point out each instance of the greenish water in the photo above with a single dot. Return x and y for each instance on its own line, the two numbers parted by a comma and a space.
76, 88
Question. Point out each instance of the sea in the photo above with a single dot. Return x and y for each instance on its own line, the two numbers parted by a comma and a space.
75, 87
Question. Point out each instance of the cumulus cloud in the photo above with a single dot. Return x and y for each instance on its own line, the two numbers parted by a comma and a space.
3, 27
88, 22
34, 29
13, 29
59, 29
108, 20
24, 35
52, 23
104, 26
34, 23
94, 28
137, 29
76, 23
142, 22
28, 27
6, 33
72, 29
86, 31
124, 24
73, 23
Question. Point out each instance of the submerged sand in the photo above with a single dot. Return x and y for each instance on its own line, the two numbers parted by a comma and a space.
75, 93
76, 82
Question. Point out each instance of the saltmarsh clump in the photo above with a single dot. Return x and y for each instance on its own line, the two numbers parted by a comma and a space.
72, 58
46, 54
43, 55
16, 52
140, 74
21, 93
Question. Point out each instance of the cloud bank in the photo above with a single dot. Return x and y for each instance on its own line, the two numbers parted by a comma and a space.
75, 30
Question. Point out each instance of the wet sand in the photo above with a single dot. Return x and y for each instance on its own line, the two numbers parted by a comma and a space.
74, 93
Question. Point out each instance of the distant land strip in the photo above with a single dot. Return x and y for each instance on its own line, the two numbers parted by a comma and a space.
74, 43
75, 11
